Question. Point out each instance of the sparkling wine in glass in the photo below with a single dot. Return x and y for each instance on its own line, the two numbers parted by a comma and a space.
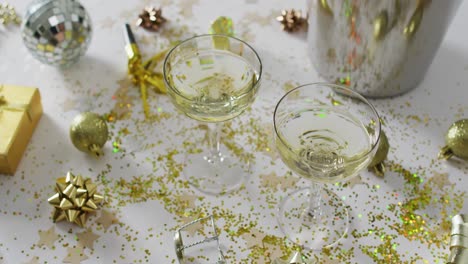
325, 133
213, 78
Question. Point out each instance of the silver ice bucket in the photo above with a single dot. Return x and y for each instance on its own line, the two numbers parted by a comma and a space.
379, 48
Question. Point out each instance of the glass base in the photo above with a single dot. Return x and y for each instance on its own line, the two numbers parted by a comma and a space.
216, 173
309, 231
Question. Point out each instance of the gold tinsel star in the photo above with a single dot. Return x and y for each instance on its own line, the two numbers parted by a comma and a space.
292, 20
74, 199
151, 19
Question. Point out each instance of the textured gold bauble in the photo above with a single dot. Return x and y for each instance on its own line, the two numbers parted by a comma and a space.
456, 141
89, 133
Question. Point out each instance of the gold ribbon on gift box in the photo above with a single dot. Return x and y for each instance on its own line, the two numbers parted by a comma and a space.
459, 241
8, 106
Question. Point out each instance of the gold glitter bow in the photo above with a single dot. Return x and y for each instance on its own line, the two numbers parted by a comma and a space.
142, 73
75, 198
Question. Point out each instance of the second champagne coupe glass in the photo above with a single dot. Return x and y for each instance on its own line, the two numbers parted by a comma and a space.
213, 78
326, 134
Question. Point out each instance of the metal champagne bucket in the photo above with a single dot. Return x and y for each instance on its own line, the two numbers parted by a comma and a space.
379, 48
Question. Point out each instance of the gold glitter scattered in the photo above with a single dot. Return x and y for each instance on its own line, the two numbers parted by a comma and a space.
75, 255
107, 219
33, 260
87, 238
48, 238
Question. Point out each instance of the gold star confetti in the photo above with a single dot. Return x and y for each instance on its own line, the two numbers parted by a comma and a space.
270, 180
47, 238
75, 255
33, 260
87, 238
355, 180
69, 104
107, 219
288, 181
441, 180
253, 238
187, 200
273, 251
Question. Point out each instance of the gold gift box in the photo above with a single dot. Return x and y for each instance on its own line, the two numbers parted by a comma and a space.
20, 111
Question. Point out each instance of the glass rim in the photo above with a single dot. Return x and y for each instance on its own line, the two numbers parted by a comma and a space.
332, 85
257, 81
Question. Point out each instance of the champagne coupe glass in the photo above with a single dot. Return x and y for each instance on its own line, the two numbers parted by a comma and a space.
213, 78
325, 133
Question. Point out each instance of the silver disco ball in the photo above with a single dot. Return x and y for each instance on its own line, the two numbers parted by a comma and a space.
56, 32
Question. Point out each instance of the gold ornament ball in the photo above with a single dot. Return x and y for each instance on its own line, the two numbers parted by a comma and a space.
456, 140
89, 133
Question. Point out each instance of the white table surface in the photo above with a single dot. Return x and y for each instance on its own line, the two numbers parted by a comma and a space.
415, 124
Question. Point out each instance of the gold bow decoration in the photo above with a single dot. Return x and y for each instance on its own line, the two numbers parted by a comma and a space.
75, 198
141, 72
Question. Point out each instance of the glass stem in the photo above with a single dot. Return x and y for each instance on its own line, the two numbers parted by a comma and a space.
214, 137
315, 201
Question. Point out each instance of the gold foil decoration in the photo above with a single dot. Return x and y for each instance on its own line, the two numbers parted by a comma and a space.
458, 241
292, 20
8, 15
75, 198
89, 133
141, 72
456, 141
151, 19
377, 164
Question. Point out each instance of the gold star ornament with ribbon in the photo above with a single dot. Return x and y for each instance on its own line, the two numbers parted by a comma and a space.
75, 198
